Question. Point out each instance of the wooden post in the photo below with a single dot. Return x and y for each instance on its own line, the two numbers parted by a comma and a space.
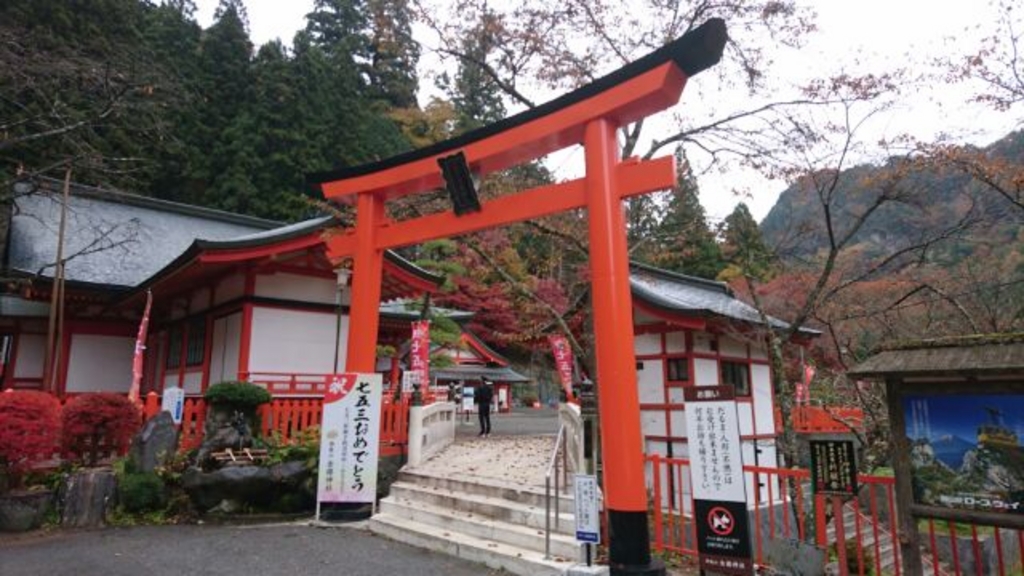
909, 538
56, 295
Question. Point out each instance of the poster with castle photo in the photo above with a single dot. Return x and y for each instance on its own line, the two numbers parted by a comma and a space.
966, 452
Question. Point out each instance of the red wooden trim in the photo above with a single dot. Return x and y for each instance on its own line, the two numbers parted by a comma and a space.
291, 269
161, 358
667, 406
684, 322
415, 282
246, 340
100, 328
480, 349
244, 254
631, 100
250, 282
183, 352
207, 349
65, 362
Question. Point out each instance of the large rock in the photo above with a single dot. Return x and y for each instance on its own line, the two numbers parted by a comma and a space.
86, 497
155, 444
26, 510
225, 488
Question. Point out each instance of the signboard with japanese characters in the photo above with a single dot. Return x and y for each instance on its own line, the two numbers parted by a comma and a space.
350, 438
174, 402
833, 467
716, 472
419, 350
588, 519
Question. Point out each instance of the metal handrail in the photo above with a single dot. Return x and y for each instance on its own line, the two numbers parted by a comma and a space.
553, 470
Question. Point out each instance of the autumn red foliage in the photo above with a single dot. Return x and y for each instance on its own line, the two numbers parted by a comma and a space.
98, 423
29, 430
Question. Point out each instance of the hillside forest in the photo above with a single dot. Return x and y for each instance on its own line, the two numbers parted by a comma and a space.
871, 241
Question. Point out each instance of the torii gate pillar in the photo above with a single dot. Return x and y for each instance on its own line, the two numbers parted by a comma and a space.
618, 399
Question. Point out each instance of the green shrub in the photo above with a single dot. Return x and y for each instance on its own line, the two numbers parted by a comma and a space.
242, 395
142, 492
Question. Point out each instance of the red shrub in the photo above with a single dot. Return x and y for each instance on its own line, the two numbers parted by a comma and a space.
99, 423
29, 429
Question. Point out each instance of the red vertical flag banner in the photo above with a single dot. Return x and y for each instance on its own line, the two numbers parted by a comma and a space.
140, 350
563, 361
419, 351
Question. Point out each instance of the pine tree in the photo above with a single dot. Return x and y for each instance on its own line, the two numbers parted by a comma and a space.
393, 53
744, 248
684, 242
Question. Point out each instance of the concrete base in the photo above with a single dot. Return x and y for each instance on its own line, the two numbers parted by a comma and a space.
584, 570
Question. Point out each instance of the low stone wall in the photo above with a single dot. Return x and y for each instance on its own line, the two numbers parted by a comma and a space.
431, 429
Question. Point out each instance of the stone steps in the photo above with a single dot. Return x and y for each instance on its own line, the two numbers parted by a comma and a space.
489, 521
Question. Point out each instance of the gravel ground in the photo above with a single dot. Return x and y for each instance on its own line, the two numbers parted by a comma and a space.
286, 549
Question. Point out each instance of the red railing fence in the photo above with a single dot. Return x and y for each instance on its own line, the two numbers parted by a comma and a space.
781, 506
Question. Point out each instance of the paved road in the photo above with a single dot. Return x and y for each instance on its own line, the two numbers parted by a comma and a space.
519, 422
292, 550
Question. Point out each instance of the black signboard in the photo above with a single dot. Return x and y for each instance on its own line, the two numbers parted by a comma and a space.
833, 467
723, 537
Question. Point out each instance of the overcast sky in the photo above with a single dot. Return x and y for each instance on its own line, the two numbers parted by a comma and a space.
855, 36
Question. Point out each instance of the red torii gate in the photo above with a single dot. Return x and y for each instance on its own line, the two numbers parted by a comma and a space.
590, 115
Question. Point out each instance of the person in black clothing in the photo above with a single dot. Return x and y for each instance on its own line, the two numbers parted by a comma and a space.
484, 396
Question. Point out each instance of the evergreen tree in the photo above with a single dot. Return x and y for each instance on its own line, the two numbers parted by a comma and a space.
393, 53
744, 248
685, 242
475, 95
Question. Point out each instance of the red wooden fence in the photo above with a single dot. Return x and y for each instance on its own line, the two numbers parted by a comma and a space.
286, 418
783, 507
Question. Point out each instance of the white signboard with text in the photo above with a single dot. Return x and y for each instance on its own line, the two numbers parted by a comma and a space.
713, 435
350, 438
173, 401
588, 518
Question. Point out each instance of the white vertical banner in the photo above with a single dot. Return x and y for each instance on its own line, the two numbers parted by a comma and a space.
713, 434
350, 438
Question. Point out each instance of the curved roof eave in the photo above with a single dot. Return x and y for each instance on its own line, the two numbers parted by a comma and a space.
669, 306
263, 239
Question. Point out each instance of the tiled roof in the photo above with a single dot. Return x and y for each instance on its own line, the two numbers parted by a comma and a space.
692, 296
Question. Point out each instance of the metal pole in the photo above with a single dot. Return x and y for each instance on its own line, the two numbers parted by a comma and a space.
547, 517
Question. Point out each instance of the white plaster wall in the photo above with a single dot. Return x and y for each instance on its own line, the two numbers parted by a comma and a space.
229, 289
295, 341
675, 395
731, 347
678, 421
652, 422
650, 381
758, 351
745, 413
675, 342
171, 379
100, 363
705, 372
761, 382
31, 349
647, 343
294, 287
227, 333
193, 383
